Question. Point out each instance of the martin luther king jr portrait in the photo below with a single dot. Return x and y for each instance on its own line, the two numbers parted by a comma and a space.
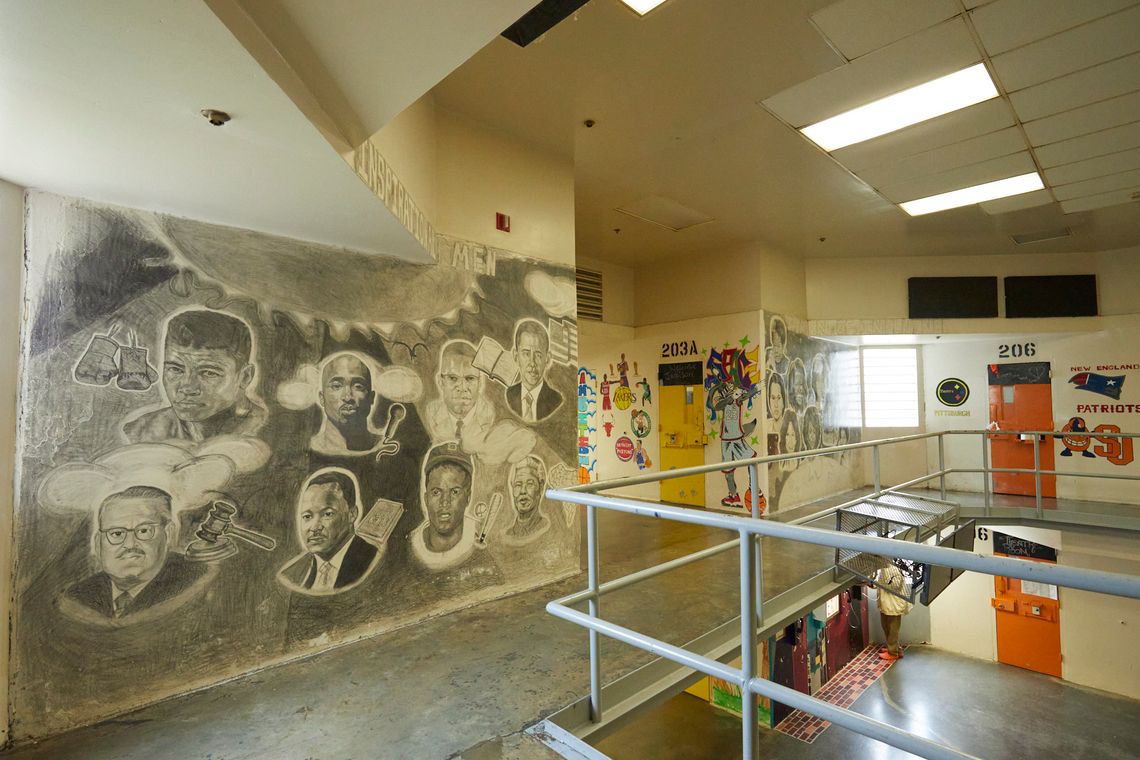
335, 558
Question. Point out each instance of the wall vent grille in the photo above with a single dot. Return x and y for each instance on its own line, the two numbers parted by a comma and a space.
589, 293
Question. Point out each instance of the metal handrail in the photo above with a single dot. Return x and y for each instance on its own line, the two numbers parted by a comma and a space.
750, 530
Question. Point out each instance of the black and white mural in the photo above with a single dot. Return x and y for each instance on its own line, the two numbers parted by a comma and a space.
236, 448
811, 399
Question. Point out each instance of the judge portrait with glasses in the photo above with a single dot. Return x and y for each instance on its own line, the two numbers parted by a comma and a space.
132, 546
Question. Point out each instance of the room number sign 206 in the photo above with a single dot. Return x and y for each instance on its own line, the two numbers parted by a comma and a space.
684, 348
1016, 350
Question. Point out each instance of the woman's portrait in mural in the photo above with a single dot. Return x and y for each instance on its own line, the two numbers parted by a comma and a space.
790, 439
812, 429
797, 385
775, 355
777, 402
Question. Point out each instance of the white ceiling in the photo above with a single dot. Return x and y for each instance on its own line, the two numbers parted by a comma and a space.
100, 100
675, 98
694, 105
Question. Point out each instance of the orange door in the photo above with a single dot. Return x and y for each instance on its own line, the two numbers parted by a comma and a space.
1021, 398
1028, 620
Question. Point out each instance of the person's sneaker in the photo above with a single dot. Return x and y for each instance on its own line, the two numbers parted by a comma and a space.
733, 500
889, 657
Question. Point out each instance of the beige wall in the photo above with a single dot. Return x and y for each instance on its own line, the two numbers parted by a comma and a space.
1098, 632
876, 288
745, 279
460, 173
11, 271
481, 171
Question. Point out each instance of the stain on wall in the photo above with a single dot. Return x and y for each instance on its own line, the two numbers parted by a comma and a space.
236, 449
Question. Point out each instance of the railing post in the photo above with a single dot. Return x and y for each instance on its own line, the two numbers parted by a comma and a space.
875, 470
986, 471
754, 484
750, 726
592, 582
942, 465
1037, 471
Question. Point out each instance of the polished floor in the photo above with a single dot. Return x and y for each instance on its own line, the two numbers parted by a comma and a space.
466, 684
979, 708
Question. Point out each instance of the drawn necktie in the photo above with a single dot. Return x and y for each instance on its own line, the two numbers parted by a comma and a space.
121, 602
528, 408
325, 575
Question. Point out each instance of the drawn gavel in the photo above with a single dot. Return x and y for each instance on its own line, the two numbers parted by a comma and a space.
396, 414
216, 533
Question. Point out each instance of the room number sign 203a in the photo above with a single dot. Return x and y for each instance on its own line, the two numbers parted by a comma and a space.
684, 348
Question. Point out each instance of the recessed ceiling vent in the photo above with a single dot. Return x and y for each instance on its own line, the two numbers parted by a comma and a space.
664, 212
589, 293
1041, 236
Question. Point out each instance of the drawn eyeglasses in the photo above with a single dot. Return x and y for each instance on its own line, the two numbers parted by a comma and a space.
143, 532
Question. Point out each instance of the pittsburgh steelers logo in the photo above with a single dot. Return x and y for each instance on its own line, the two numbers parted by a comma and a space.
953, 392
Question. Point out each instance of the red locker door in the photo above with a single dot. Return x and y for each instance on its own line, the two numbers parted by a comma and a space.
1021, 398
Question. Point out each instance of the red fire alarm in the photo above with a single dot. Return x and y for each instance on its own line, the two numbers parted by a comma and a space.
502, 222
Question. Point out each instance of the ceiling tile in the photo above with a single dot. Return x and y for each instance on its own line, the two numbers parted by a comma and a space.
1007, 24
856, 27
1081, 88
1094, 167
1090, 146
1086, 45
1119, 181
1081, 121
1114, 198
956, 179
983, 148
932, 53
1017, 202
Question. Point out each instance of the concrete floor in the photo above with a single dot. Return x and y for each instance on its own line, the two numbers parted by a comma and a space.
980, 708
462, 685
454, 683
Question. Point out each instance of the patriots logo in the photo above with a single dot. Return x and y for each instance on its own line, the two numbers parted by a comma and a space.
1105, 385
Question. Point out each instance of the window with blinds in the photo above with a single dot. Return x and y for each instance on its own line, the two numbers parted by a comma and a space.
890, 387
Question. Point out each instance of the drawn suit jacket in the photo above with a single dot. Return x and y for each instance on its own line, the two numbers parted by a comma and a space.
177, 575
548, 400
357, 561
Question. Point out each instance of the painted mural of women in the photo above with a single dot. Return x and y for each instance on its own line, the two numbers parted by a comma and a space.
790, 439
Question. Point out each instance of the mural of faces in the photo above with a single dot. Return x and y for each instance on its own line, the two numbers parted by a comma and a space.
790, 440
134, 536
528, 481
532, 352
813, 429
819, 371
206, 364
447, 492
346, 391
776, 396
777, 341
460, 384
797, 379
326, 513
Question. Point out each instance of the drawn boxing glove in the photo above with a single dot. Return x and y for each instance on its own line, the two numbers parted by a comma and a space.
135, 373
98, 365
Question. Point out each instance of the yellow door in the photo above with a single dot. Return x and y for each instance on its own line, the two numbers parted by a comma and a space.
681, 410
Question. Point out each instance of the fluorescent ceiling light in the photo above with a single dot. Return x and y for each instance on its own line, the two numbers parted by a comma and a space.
934, 98
641, 7
1001, 188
